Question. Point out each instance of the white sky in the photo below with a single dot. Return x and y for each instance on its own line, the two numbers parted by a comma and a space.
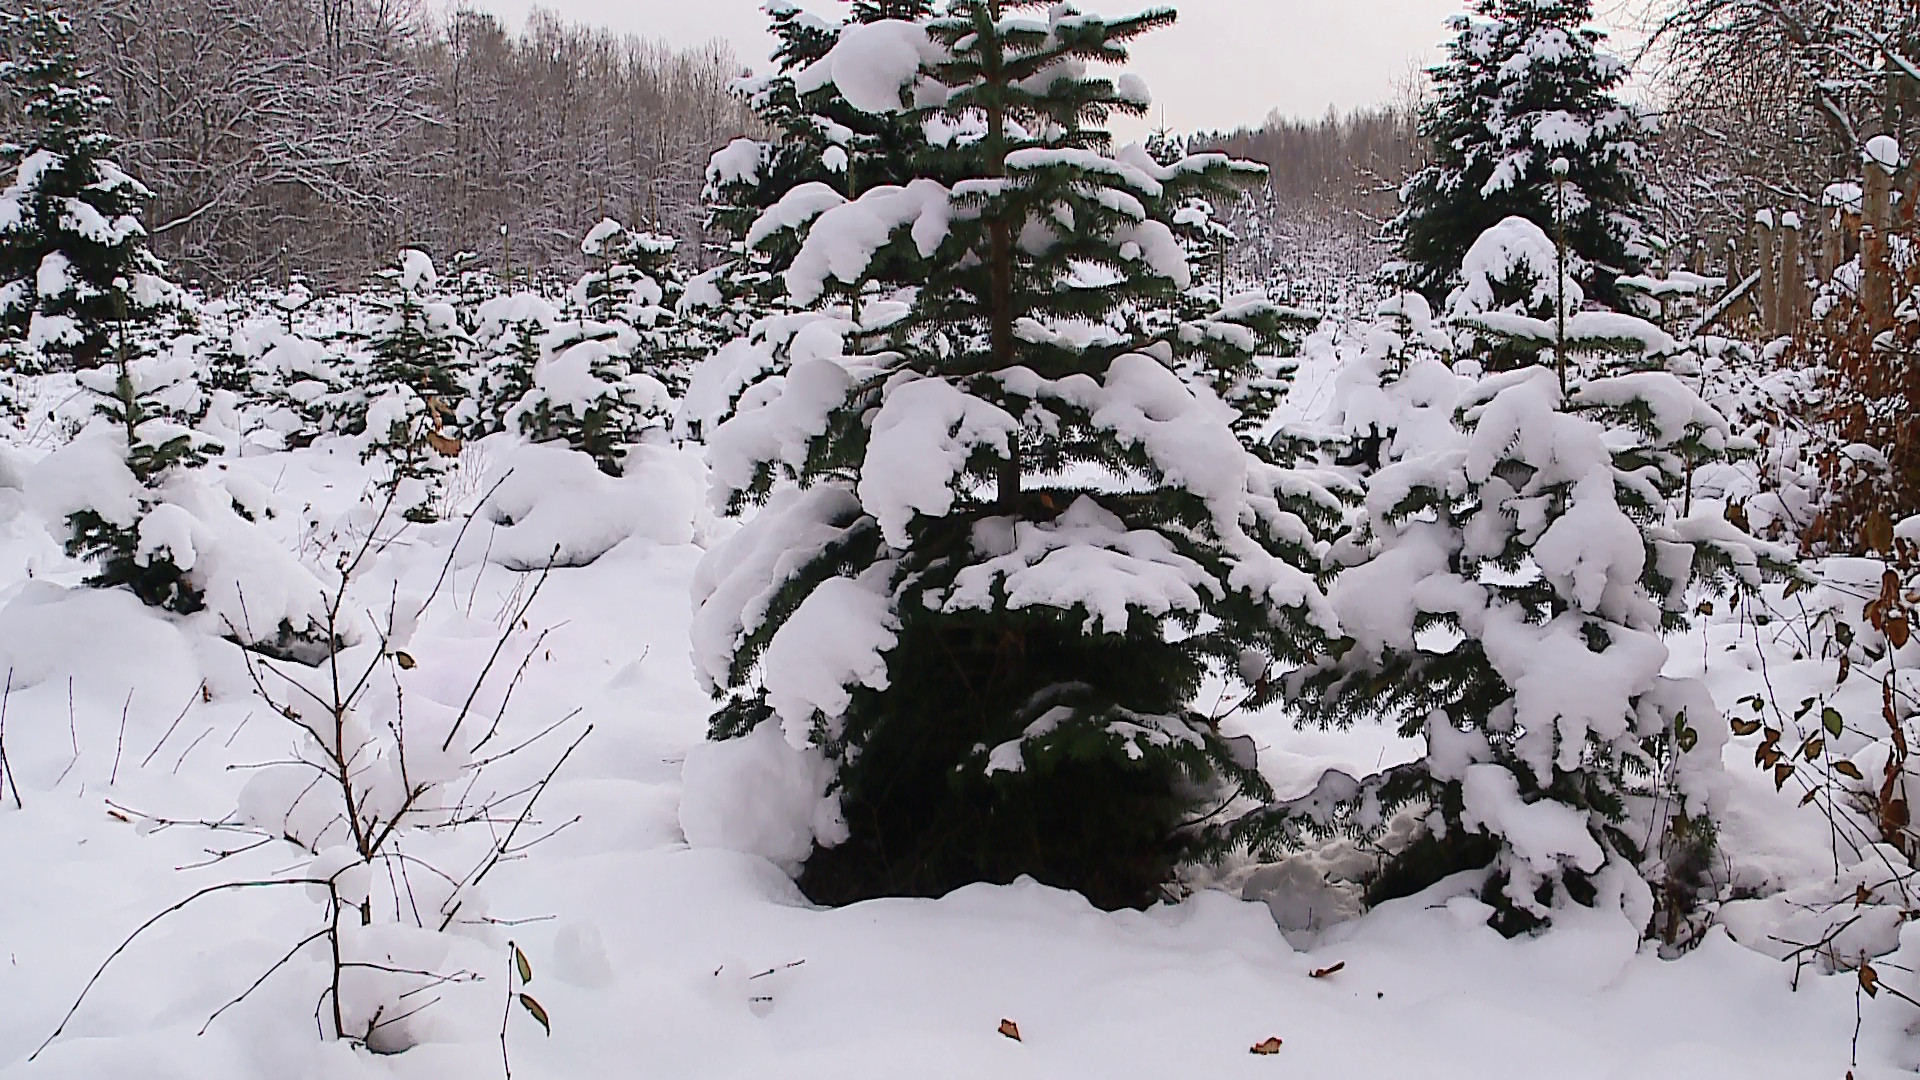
1224, 64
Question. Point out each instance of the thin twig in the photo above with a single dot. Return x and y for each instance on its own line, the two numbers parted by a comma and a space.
143, 927
120, 742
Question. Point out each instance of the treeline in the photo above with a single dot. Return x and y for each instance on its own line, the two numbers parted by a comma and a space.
1332, 184
319, 136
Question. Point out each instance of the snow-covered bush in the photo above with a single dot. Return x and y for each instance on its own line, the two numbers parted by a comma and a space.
386, 803
136, 497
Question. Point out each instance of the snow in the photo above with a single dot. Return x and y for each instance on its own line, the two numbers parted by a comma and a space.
836, 639
923, 435
738, 162
871, 64
759, 795
1884, 151
548, 503
1086, 560
776, 430
844, 238
1514, 246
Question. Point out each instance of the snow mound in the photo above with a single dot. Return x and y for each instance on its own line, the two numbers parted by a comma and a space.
551, 503
758, 795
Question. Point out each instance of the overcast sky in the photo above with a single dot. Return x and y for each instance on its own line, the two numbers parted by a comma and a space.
1225, 63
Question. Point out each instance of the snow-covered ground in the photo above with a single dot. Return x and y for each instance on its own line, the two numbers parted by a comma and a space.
654, 958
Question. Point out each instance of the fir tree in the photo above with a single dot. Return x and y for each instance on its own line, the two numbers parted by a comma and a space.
593, 385
1505, 599
415, 384
1002, 542
149, 401
637, 282
509, 337
821, 137
1526, 82
76, 273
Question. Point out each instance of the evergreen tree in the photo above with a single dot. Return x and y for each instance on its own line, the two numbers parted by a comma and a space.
823, 142
593, 385
820, 135
1506, 595
149, 401
509, 337
1526, 82
76, 273
415, 384
1002, 543
636, 282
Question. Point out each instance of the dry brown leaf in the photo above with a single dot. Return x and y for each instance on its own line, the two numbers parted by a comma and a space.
1010, 1029
1321, 973
1268, 1045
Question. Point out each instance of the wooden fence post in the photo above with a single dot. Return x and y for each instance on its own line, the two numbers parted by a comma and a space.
1876, 284
1792, 288
1769, 279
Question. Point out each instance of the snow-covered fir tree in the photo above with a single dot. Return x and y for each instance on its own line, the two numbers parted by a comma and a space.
846, 136
76, 273
149, 403
1505, 598
595, 383
1526, 82
509, 335
637, 281
414, 385
1001, 542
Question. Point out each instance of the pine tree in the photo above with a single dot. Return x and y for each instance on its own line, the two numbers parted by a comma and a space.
1002, 543
1505, 598
1526, 82
76, 274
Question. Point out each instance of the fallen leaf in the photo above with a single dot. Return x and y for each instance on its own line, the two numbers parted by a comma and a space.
1010, 1029
443, 445
1321, 973
1268, 1045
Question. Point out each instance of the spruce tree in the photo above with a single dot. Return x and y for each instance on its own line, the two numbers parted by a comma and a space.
76, 274
1001, 543
1526, 82
637, 282
509, 334
1505, 597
